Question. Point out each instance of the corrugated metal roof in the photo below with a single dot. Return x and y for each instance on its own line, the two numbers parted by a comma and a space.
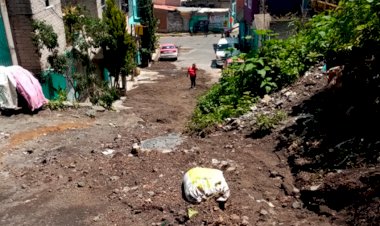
165, 7
202, 10
213, 10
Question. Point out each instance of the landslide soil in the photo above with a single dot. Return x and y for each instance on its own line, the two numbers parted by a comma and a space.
53, 171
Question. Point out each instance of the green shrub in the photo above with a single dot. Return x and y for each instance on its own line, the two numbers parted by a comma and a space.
57, 103
105, 96
280, 62
265, 123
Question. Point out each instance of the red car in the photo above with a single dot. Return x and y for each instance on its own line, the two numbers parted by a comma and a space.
168, 51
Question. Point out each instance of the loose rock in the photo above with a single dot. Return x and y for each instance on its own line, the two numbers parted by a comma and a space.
114, 178
263, 212
315, 187
91, 113
215, 161
235, 217
229, 169
245, 220
81, 184
97, 218
98, 108
135, 149
296, 205
266, 99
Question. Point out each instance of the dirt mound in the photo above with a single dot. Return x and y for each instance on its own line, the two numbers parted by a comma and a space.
328, 146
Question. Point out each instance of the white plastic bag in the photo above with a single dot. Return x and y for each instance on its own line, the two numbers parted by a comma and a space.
202, 183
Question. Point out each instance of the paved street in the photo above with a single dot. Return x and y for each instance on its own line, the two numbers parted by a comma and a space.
196, 49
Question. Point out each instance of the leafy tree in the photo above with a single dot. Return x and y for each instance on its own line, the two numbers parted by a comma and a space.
149, 38
44, 36
119, 48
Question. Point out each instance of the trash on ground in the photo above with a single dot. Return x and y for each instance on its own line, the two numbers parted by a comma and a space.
191, 212
200, 184
108, 152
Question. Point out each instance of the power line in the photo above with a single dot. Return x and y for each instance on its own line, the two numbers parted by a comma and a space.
51, 7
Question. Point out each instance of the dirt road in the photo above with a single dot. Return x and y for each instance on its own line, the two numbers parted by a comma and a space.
54, 168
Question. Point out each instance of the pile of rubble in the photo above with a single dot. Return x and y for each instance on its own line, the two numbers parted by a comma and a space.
284, 100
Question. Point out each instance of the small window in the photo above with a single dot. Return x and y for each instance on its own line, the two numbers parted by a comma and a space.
47, 3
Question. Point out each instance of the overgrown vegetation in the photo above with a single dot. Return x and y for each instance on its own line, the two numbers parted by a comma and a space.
86, 36
353, 26
58, 103
119, 49
44, 36
149, 38
265, 123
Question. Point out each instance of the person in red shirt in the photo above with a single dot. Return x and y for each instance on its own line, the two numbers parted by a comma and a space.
192, 72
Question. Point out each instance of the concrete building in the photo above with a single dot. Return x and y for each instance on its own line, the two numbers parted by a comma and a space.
207, 3
169, 19
94, 7
17, 18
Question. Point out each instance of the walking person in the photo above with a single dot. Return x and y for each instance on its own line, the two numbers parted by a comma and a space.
206, 27
192, 73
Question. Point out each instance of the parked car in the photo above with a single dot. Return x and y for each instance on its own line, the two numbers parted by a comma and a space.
226, 48
168, 51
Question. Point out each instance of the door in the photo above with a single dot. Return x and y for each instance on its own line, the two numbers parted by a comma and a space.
5, 55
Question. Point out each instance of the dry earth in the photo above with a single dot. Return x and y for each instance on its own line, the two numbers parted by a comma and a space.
53, 170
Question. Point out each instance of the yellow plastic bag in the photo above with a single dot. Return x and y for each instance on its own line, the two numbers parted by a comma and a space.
200, 184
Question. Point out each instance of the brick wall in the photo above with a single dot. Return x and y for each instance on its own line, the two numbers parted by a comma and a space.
20, 19
21, 14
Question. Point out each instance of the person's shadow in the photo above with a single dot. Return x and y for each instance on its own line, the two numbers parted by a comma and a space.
215, 46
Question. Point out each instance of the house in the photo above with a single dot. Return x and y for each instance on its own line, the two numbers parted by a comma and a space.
169, 18
206, 3
133, 16
16, 46
247, 26
95, 7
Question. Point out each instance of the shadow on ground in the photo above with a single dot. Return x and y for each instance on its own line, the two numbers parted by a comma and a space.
334, 150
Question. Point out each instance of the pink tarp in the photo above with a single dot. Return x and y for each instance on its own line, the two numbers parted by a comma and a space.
27, 86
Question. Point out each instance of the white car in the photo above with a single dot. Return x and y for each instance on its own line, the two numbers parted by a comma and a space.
226, 48
168, 51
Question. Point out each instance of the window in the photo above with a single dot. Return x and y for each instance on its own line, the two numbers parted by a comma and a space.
249, 4
103, 4
47, 3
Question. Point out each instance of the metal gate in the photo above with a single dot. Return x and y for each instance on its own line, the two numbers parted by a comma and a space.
5, 55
